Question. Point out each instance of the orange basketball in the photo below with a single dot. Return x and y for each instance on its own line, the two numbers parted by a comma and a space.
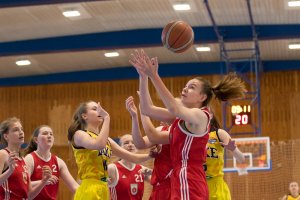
177, 36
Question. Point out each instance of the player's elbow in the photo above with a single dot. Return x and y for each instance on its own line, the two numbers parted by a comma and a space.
174, 109
153, 139
144, 109
100, 145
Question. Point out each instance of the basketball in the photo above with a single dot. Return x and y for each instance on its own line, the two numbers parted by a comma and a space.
177, 36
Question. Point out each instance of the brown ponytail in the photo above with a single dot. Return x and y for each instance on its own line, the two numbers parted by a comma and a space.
78, 122
214, 123
230, 87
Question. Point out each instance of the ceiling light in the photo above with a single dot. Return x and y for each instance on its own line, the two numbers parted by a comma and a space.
294, 46
202, 48
111, 54
294, 3
23, 62
71, 13
182, 7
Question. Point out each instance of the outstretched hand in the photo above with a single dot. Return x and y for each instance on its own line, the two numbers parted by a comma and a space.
143, 64
230, 146
101, 111
130, 106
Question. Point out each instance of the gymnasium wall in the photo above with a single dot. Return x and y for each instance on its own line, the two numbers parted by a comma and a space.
54, 105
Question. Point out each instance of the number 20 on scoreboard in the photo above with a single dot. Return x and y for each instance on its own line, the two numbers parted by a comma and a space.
241, 114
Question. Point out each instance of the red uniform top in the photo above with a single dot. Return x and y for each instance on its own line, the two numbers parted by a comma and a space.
188, 154
16, 186
162, 164
129, 184
49, 192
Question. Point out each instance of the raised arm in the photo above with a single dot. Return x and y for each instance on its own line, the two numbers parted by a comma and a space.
155, 136
126, 155
147, 107
81, 139
139, 141
146, 104
229, 144
194, 116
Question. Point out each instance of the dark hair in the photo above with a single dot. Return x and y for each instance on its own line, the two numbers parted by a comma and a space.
4, 128
214, 124
32, 146
78, 123
230, 87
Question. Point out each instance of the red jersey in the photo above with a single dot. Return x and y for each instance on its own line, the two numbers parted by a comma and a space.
129, 184
188, 154
16, 186
162, 164
49, 192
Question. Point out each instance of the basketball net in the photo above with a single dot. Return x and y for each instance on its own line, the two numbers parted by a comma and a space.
242, 169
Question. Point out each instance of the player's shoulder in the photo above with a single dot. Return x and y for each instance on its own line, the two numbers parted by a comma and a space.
3, 154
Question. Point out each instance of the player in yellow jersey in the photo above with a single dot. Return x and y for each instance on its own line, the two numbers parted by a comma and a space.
92, 149
218, 140
294, 192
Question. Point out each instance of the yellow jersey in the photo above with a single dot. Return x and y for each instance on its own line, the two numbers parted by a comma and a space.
290, 197
92, 164
215, 156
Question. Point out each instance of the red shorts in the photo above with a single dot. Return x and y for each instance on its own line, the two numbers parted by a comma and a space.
189, 183
161, 191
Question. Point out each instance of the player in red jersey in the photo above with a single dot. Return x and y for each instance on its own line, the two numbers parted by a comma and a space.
126, 180
160, 179
38, 155
188, 135
14, 179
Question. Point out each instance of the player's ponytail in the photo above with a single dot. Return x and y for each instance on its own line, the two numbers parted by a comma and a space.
230, 87
78, 122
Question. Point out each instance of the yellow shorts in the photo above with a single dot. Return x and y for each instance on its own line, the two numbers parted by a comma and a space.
218, 189
92, 189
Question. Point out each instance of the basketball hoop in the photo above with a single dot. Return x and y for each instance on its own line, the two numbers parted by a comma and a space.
242, 169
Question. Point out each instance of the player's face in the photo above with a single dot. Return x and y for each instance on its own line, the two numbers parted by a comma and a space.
45, 137
127, 143
92, 115
15, 134
191, 95
294, 188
